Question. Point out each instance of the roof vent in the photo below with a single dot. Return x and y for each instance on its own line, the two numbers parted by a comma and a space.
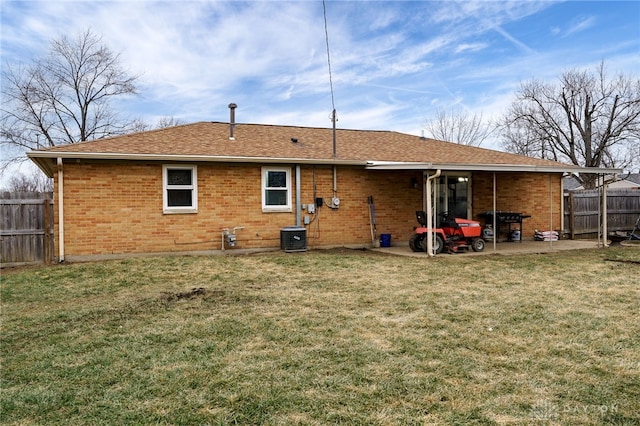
232, 121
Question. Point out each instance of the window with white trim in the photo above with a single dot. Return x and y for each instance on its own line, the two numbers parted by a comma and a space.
179, 189
276, 189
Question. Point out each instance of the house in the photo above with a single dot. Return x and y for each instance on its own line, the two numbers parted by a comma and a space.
623, 181
177, 189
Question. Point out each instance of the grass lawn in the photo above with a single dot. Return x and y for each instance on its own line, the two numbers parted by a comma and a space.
325, 337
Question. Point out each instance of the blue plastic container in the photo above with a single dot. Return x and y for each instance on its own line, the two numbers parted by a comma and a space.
385, 240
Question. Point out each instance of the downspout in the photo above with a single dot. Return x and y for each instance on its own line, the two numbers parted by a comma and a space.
335, 201
562, 220
60, 211
298, 203
430, 235
550, 209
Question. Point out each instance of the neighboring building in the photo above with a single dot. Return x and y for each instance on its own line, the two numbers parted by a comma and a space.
622, 181
175, 189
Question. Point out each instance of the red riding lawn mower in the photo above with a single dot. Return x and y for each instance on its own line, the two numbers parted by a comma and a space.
453, 234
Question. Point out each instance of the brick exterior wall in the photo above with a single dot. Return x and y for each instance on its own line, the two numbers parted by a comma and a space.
527, 193
116, 207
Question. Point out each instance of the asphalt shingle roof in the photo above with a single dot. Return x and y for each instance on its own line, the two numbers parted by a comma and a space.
211, 139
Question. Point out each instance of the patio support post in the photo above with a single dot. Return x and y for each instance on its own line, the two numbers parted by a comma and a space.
493, 217
604, 213
430, 225
599, 189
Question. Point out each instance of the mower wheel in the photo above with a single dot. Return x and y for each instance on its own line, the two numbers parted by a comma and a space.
477, 244
438, 244
418, 243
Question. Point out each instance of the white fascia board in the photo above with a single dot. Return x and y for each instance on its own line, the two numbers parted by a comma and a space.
391, 165
39, 156
563, 168
597, 170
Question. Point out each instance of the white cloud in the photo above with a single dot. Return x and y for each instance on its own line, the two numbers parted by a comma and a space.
390, 60
580, 25
470, 47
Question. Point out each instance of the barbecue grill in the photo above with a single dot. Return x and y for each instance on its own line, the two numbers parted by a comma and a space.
505, 218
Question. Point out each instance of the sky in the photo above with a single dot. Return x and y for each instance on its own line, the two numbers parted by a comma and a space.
393, 63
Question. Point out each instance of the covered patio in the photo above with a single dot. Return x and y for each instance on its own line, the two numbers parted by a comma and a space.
498, 196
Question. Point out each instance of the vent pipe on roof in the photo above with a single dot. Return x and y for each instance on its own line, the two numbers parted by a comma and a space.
232, 121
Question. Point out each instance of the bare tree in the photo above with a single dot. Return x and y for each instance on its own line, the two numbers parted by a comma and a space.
459, 127
165, 122
34, 182
64, 97
162, 123
585, 119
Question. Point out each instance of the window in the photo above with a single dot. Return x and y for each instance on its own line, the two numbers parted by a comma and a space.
276, 190
179, 189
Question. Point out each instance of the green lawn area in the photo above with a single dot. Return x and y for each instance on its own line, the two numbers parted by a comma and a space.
325, 337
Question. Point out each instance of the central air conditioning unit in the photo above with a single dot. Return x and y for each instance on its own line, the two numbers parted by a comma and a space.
293, 238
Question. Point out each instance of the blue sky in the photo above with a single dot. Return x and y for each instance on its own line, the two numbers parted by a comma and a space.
394, 63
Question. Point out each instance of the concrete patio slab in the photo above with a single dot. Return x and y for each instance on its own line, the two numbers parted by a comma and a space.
503, 248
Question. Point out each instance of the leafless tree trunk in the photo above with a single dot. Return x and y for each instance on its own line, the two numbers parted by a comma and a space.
63, 98
586, 119
459, 127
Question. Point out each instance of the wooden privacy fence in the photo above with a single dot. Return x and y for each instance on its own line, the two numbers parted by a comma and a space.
582, 211
27, 228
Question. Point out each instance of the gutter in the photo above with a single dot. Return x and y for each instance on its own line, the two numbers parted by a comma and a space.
44, 159
391, 165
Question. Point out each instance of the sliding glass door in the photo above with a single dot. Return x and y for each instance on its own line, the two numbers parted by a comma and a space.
453, 194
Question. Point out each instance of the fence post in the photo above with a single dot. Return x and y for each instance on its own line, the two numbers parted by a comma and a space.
47, 231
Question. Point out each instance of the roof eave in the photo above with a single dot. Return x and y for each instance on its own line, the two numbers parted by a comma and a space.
45, 164
44, 159
560, 168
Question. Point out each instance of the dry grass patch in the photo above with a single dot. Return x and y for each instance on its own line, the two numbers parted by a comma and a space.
325, 337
